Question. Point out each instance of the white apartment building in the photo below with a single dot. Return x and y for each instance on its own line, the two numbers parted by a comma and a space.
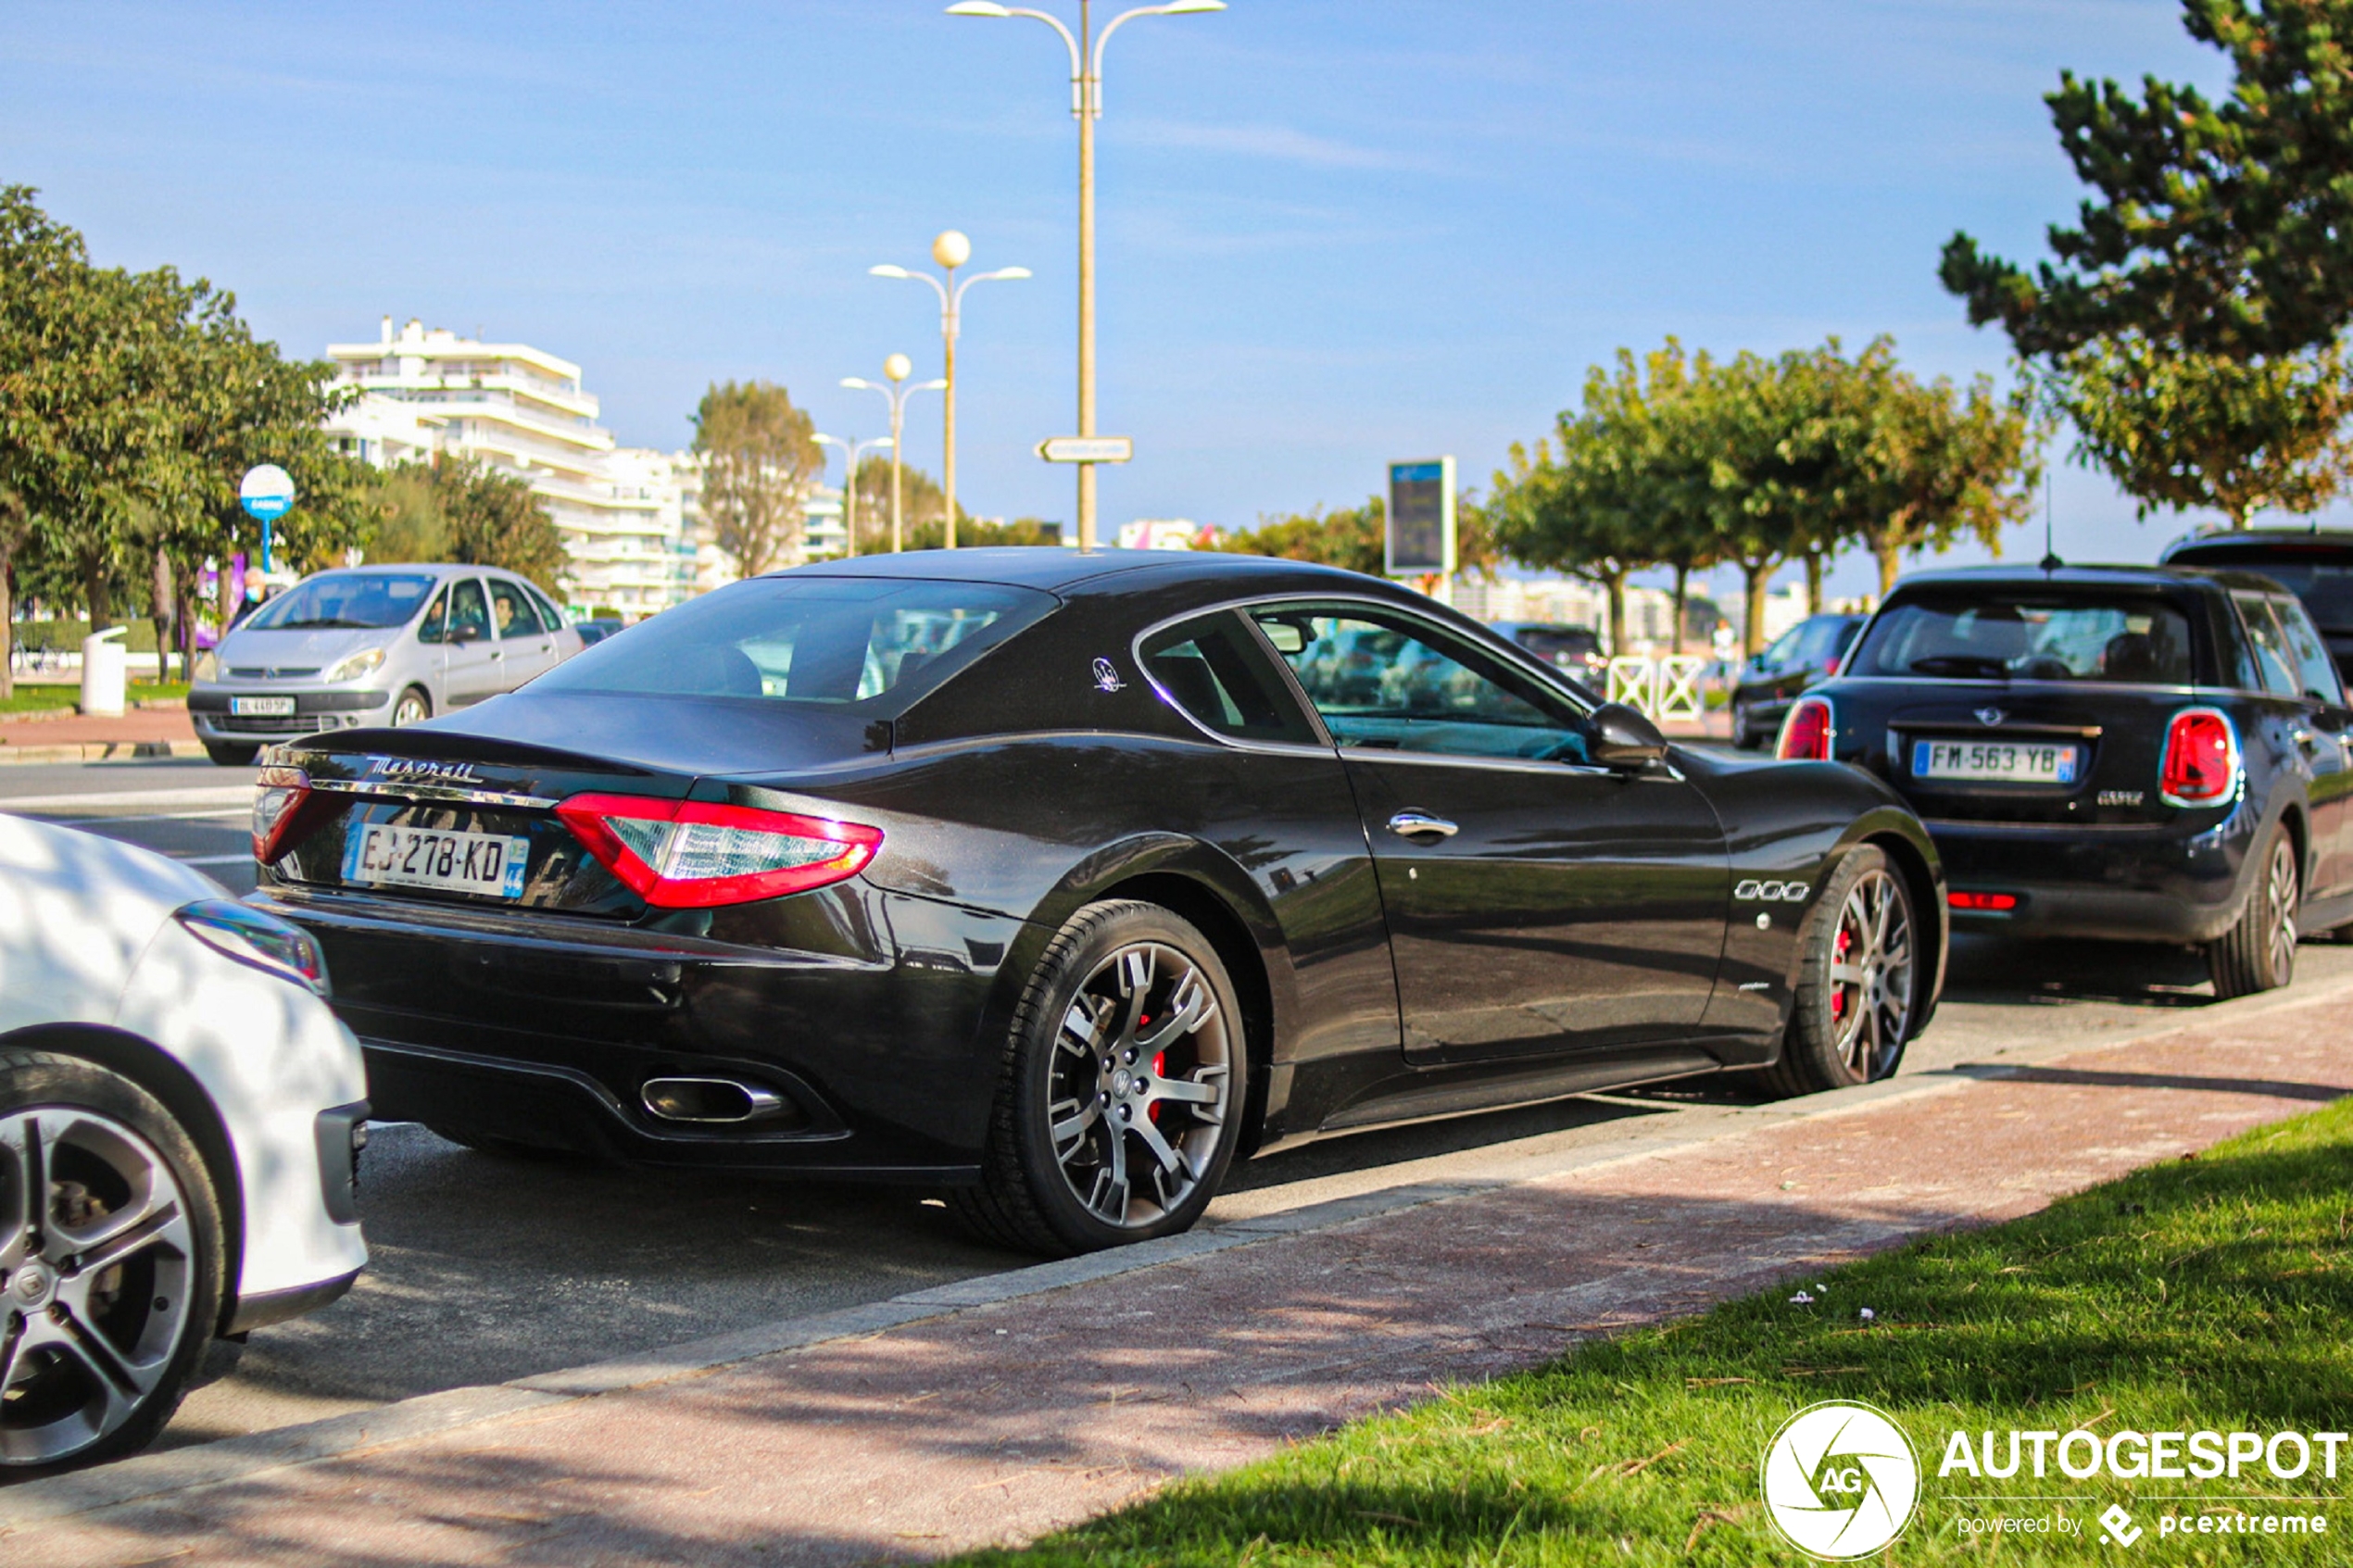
621, 510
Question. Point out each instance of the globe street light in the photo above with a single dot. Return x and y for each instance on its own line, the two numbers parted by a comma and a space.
1086, 106
897, 368
951, 250
853, 452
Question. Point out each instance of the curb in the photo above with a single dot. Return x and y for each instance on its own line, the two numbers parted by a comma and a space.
236, 1459
99, 751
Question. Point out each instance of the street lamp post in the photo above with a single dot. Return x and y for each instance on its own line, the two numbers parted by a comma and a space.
951, 250
1086, 106
897, 368
853, 452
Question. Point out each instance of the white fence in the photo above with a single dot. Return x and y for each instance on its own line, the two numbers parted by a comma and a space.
1658, 688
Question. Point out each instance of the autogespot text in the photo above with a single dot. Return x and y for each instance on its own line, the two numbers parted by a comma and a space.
2132, 1455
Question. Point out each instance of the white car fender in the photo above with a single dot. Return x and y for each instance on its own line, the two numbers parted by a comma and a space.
271, 1056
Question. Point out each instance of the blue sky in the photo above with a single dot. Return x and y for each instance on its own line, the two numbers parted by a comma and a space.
1333, 234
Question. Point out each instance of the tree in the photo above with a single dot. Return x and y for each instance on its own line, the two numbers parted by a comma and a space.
1626, 489
493, 519
1915, 466
2186, 430
2189, 324
1355, 537
760, 460
922, 504
2221, 228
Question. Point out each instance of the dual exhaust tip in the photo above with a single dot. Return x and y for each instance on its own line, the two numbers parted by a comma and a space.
709, 1101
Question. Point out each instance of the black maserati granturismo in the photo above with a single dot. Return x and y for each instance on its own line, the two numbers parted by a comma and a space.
1059, 881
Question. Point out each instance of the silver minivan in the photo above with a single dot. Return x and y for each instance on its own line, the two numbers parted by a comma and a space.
372, 644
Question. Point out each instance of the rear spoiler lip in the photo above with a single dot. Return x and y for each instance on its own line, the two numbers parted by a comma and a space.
424, 745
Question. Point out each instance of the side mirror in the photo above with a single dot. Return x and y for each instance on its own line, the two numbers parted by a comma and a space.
1624, 739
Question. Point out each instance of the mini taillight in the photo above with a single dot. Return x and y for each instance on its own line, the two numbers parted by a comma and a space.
1805, 733
695, 854
279, 796
2201, 766
1992, 903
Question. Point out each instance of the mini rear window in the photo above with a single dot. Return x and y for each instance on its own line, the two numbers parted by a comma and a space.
1997, 637
839, 641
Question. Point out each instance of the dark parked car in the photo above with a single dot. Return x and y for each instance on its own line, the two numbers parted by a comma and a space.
595, 631
1574, 650
2316, 567
1060, 879
2145, 753
1807, 653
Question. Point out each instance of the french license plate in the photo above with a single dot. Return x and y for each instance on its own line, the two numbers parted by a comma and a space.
381, 854
1996, 761
262, 707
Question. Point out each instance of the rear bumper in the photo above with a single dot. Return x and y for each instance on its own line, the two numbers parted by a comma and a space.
2167, 883
545, 1030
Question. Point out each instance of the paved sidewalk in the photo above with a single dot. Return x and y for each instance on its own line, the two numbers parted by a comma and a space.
1010, 1417
146, 731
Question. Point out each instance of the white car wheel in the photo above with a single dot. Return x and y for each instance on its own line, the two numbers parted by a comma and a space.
109, 1262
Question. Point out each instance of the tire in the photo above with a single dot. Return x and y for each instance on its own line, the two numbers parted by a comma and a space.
1854, 1015
95, 1357
2259, 953
1087, 1097
413, 706
1743, 733
231, 754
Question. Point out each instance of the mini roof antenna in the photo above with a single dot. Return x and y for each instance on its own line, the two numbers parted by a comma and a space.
2051, 561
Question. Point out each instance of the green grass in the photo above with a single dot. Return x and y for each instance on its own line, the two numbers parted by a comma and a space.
47, 697
2212, 1293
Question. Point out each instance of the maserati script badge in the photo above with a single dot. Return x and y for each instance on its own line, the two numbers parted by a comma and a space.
1106, 677
1991, 715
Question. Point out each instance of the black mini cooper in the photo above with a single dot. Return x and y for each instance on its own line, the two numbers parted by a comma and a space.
1058, 880
2147, 753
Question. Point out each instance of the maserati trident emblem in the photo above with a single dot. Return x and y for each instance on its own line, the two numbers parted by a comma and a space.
1991, 715
1107, 677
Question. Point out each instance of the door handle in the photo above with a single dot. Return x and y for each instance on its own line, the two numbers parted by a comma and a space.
1412, 824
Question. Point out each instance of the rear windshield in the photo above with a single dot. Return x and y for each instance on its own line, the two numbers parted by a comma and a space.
346, 599
832, 640
1997, 637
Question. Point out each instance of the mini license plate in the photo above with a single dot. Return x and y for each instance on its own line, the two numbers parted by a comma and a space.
262, 707
381, 854
1996, 761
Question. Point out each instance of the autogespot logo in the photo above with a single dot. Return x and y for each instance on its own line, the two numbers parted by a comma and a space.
1839, 1480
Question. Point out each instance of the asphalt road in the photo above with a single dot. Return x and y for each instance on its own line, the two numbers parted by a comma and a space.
488, 1269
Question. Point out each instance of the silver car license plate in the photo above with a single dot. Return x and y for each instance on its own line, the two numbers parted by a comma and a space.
1992, 761
262, 707
381, 854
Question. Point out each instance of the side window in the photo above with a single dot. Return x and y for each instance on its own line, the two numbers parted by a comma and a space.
469, 614
1390, 684
2315, 670
2271, 655
549, 616
1781, 650
433, 628
512, 609
1215, 670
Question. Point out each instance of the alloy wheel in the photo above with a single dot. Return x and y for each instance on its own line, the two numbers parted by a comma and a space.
410, 709
2284, 890
97, 1268
1872, 979
1138, 1085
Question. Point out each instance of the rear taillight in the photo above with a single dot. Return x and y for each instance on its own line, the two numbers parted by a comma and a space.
278, 799
1805, 733
2201, 766
695, 854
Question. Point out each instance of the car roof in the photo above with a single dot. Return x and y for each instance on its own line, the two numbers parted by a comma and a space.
1062, 571
2296, 541
411, 568
2195, 578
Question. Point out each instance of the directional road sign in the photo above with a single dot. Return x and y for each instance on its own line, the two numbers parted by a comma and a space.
1087, 449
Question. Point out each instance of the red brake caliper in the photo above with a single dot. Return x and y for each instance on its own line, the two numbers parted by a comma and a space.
1838, 993
1160, 1066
